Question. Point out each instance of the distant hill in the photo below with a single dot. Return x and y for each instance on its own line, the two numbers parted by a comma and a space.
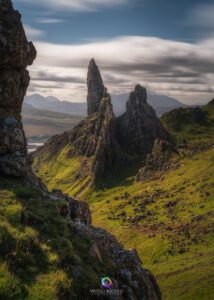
54, 104
41, 124
192, 125
160, 103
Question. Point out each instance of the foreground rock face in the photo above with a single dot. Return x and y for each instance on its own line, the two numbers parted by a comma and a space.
16, 53
139, 127
126, 272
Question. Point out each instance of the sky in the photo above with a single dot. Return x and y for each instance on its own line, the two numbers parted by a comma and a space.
165, 45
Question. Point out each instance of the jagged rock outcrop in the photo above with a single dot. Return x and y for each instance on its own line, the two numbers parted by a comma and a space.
126, 272
163, 158
139, 127
135, 282
102, 137
16, 53
94, 137
96, 89
107, 148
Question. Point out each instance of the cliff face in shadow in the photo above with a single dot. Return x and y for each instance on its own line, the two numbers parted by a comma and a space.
16, 53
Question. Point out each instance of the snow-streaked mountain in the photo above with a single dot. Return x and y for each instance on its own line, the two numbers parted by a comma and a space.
161, 104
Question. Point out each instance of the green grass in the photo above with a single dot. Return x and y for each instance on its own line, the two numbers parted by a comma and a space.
42, 257
62, 172
170, 220
174, 243
194, 126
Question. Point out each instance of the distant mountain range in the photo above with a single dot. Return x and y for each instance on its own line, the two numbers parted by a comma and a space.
41, 124
160, 103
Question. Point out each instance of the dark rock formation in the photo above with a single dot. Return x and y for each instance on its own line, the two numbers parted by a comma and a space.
16, 53
93, 137
107, 149
162, 159
135, 282
126, 273
96, 89
104, 139
139, 127
79, 211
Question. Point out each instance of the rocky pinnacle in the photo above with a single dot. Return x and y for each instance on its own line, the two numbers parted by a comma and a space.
139, 127
96, 89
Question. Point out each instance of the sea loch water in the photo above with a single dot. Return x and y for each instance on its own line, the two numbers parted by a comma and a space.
33, 146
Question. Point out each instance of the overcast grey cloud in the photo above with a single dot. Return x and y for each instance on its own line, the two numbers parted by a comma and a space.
159, 64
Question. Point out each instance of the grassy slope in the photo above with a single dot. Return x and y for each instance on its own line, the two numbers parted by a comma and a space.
174, 242
61, 173
183, 125
177, 249
41, 256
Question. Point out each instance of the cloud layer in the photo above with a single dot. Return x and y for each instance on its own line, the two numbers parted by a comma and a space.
75, 5
33, 33
177, 69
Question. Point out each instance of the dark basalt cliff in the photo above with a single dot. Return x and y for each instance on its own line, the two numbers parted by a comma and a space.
94, 136
16, 53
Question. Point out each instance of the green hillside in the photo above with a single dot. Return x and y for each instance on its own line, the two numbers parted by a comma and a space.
194, 126
42, 255
170, 220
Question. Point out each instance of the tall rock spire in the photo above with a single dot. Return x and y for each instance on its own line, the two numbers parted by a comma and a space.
139, 127
96, 89
16, 53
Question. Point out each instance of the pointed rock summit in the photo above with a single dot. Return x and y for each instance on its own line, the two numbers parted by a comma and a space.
94, 137
139, 127
96, 89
